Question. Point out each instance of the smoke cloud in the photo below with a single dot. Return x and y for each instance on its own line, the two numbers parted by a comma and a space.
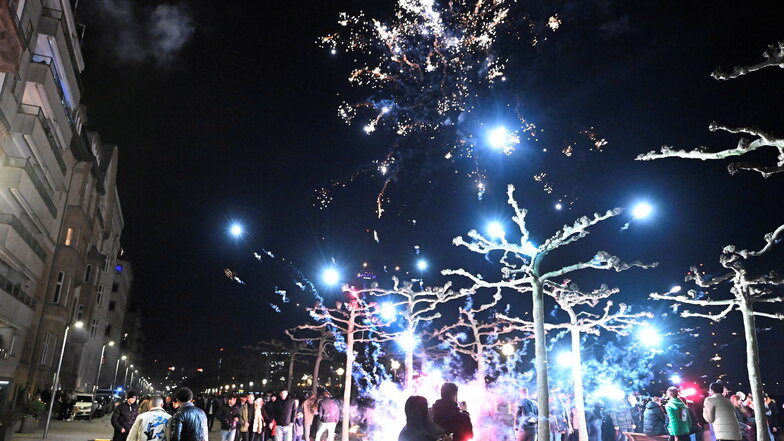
136, 33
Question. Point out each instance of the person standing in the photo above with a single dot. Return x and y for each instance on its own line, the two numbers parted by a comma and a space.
678, 414
526, 417
328, 415
211, 409
228, 415
309, 409
256, 428
450, 417
284, 414
189, 423
720, 413
419, 426
124, 416
150, 425
654, 421
247, 410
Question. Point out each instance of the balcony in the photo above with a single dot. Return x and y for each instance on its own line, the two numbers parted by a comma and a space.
12, 40
19, 241
33, 123
34, 175
15, 291
54, 27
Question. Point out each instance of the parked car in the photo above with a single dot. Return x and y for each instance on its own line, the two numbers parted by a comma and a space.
85, 405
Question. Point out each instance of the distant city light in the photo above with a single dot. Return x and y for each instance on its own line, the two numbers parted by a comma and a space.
422, 264
331, 276
495, 230
642, 210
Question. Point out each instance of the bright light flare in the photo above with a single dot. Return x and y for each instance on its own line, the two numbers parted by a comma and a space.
642, 210
689, 392
508, 349
529, 249
495, 230
388, 312
502, 139
408, 341
675, 379
331, 276
422, 265
611, 391
235, 230
565, 359
649, 336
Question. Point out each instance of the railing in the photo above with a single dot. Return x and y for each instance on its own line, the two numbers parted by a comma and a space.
60, 16
24, 35
16, 291
36, 111
22, 231
39, 181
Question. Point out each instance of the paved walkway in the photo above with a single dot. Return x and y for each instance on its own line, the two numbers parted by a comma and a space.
83, 430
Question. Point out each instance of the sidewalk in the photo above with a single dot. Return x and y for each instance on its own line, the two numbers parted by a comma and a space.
79, 430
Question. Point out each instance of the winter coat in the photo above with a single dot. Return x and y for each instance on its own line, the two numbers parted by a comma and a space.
678, 414
226, 415
720, 412
410, 435
124, 415
149, 425
246, 416
189, 423
329, 411
622, 417
284, 411
654, 421
449, 417
527, 415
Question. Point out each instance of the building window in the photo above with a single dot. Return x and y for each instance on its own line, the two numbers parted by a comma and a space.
87, 273
112, 304
58, 289
94, 328
79, 312
99, 299
46, 348
115, 287
12, 346
106, 264
69, 237
108, 331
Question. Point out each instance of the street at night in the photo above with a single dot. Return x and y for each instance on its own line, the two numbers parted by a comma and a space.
391, 220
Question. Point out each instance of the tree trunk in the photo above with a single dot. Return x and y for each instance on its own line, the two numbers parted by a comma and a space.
291, 369
410, 369
577, 376
540, 341
752, 364
347, 380
317, 367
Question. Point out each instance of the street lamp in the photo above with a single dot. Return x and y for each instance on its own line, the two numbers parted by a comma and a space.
56, 378
100, 365
331, 276
125, 377
116, 369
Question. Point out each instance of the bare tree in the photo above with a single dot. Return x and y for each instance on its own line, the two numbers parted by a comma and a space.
352, 322
774, 57
293, 351
473, 337
569, 297
747, 290
420, 307
522, 272
322, 341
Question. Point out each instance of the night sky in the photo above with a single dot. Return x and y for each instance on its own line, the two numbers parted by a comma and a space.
230, 114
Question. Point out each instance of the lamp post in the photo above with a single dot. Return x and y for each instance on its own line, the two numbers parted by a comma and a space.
125, 377
130, 383
56, 378
116, 369
100, 365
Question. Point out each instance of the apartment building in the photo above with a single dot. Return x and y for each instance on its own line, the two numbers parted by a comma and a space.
60, 215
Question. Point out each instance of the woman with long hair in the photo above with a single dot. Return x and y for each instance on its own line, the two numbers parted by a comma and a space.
419, 425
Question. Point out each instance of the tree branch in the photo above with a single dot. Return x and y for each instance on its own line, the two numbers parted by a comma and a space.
774, 57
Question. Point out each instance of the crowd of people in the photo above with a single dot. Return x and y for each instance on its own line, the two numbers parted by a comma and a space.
721, 416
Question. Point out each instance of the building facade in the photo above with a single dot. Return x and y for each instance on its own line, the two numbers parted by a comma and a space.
60, 215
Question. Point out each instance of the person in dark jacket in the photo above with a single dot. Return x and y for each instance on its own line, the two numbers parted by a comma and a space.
448, 415
211, 408
189, 423
124, 416
526, 417
419, 426
654, 419
228, 416
328, 415
285, 411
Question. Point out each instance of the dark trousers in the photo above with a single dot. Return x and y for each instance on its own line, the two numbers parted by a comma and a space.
120, 436
210, 421
526, 434
680, 437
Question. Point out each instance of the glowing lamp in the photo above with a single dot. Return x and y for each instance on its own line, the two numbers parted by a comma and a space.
642, 210
340, 371
675, 379
422, 265
407, 341
498, 138
331, 276
649, 336
508, 349
388, 312
495, 230
565, 359
235, 230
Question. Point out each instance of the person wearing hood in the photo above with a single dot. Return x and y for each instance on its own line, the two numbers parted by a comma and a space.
679, 426
654, 420
450, 417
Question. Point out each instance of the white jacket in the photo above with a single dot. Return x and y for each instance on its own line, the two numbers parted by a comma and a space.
720, 412
149, 425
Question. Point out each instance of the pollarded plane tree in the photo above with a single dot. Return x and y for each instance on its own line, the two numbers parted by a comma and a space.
472, 336
774, 57
353, 321
320, 341
293, 350
746, 291
420, 307
521, 272
571, 300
